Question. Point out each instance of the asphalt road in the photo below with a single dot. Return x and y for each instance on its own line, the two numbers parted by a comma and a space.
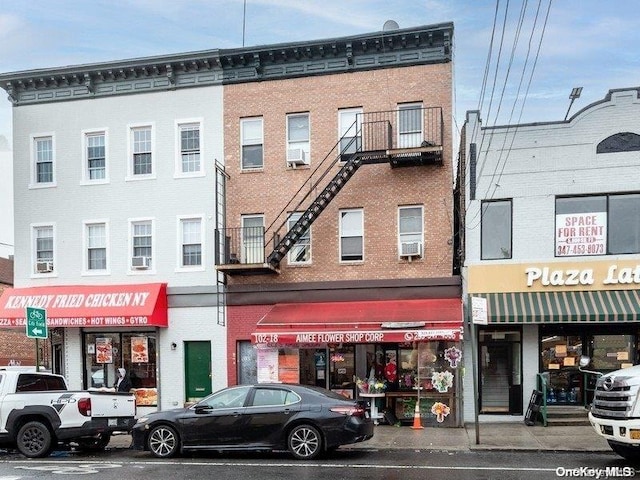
356, 465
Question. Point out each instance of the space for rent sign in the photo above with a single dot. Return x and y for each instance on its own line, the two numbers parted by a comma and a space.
581, 234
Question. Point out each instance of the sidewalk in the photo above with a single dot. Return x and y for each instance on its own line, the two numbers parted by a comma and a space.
493, 436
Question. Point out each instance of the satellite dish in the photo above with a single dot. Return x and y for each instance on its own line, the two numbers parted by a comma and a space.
390, 25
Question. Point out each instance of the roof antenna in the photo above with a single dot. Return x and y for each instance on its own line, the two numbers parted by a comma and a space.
244, 17
575, 93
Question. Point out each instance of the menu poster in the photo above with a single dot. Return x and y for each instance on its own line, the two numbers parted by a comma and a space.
288, 368
104, 350
139, 349
267, 360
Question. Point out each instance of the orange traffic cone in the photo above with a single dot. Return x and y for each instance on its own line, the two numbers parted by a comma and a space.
416, 418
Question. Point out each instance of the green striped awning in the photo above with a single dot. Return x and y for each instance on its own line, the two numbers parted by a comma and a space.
563, 307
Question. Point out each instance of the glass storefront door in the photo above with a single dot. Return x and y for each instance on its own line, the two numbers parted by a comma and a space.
500, 368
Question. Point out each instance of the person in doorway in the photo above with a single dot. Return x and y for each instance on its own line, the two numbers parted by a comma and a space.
123, 384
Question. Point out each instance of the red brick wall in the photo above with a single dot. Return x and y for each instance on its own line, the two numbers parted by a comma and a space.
15, 347
378, 189
241, 321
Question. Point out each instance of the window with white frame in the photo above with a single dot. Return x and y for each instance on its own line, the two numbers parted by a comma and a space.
301, 250
142, 244
349, 130
43, 248
252, 143
351, 235
189, 139
252, 239
43, 160
191, 242
96, 241
410, 231
410, 122
96, 156
298, 135
141, 151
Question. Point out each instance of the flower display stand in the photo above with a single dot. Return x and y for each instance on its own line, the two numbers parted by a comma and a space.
375, 415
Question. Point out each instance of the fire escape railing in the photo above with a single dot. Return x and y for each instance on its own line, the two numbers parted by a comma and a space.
372, 138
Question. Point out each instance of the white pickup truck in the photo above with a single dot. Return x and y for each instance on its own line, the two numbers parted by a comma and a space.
38, 414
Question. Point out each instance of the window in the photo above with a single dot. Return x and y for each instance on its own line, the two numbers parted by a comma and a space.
96, 243
96, 156
141, 244
496, 230
598, 225
298, 146
191, 242
251, 133
230, 398
301, 251
142, 151
43, 239
410, 125
350, 130
189, 144
410, 231
351, 235
252, 239
43, 160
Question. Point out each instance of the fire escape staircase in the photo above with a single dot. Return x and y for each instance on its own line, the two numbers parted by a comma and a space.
336, 184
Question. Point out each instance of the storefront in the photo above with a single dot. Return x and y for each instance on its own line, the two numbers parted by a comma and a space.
391, 352
542, 317
101, 328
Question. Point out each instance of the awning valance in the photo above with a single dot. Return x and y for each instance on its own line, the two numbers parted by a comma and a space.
563, 307
88, 305
376, 321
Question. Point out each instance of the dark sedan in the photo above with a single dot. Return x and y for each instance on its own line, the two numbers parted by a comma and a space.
303, 419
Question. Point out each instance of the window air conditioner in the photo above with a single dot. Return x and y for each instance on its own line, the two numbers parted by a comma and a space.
411, 249
44, 267
141, 263
296, 156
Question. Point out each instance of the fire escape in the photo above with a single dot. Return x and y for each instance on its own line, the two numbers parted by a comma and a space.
407, 137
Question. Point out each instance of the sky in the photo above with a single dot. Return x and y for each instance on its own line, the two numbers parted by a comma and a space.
514, 60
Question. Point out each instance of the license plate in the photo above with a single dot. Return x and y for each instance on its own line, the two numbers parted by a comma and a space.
634, 434
112, 422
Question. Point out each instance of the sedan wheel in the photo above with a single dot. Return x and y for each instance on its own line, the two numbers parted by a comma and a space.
305, 442
163, 441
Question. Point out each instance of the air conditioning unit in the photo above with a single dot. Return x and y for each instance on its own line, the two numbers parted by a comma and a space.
411, 249
296, 156
44, 267
140, 263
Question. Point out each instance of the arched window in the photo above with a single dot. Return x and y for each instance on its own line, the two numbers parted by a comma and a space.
620, 142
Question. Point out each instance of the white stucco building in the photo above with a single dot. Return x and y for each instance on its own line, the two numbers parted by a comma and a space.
552, 241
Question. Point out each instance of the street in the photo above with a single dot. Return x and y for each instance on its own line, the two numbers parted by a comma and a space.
363, 464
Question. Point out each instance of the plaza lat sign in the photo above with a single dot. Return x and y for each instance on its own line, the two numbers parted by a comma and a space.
547, 276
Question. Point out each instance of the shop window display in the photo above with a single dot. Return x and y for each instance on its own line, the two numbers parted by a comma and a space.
135, 352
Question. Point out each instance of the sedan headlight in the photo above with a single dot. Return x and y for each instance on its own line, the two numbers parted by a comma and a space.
143, 420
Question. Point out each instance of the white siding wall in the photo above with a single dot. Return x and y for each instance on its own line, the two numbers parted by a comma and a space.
542, 162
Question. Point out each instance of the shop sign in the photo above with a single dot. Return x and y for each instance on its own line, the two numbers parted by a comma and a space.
547, 276
395, 336
580, 234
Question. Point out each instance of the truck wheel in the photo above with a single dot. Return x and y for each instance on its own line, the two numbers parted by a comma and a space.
163, 441
304, 442
34, 440
628, 452
94, 444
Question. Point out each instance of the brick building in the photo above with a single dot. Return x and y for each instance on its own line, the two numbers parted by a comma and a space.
338, 243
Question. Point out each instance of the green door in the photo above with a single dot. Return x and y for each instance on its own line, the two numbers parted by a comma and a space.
197, 370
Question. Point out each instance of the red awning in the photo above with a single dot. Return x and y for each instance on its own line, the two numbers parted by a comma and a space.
361, 322
138, 305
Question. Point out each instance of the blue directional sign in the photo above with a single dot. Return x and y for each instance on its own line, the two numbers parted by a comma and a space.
37, 323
